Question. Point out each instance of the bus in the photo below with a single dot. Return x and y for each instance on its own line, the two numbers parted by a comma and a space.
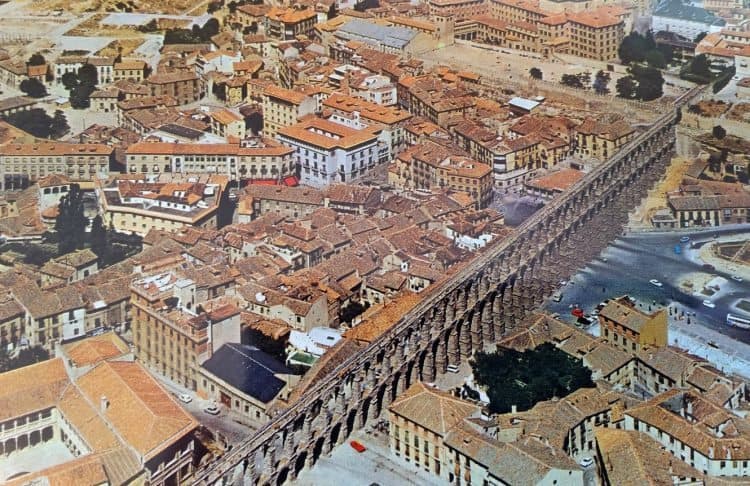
737, 321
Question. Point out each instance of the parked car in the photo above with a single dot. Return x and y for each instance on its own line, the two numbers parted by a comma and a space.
452, 368
736, 278
184, 398
684, 239
586, 462
653, 281
212, 410
709, 304
708, 266
357, 446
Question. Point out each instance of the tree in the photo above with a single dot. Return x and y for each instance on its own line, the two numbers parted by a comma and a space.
98, 237
80, 96
650, 83
719, 132
59, 125
633, 48
655, 58
36, 60
232, 6
572, 80
87, 75
33, 87
35, 121
71, 223
535, 73
333, 11
625, 87
363, 5
601, 82
210, 29
524, 378
26, 357
69, 80
151, 26
213, 7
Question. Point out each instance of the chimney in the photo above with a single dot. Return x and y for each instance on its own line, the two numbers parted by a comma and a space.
104, 403
513, 409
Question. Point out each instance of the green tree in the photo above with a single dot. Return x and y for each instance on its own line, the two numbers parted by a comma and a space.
601, 82
535, 73
87, 75
71, 223
210, 29
719, 132
650, 83
35, 121
36, 60
151, 26
33, 87
26, 357
80, 96
524, 378
59, 125
333, 11
625, 87
98, 238
572, 80
69, 80
655, 58
633, 48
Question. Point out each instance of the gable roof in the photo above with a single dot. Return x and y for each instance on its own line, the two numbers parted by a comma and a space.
431, 408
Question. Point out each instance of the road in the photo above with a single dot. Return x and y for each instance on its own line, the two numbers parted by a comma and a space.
628, 264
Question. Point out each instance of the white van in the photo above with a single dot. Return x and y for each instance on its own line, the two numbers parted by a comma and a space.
557, 296
452, 369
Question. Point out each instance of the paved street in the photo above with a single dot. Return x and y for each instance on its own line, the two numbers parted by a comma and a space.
224, 423
628, 264
348, 467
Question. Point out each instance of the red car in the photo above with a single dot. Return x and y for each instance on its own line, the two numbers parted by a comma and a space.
357, 446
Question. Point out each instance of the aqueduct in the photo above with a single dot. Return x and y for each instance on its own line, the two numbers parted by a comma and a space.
480, 303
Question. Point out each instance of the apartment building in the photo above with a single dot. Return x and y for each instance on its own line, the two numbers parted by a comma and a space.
419, 420
226, 123
283, 107
167, 202
429, 165
349, 110
601, 138
105, 67
255, 159
630, 329
286, 23
173, 333
130, 70
292, 202
595, 35
460, 10
184, 86
79, 162
695, 431
328, 152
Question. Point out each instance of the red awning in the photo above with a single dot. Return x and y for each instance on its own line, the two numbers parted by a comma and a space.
263, 182
291, 181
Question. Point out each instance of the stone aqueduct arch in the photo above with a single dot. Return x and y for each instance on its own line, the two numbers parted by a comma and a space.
466, 313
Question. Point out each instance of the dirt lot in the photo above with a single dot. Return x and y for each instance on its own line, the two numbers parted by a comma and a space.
147, 6
710, 108
124, 47
656, 198
740, 112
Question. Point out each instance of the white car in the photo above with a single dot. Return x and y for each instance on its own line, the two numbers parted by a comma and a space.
586, 462
736, 278
184, 398
653, 281
212, 409
709, 304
